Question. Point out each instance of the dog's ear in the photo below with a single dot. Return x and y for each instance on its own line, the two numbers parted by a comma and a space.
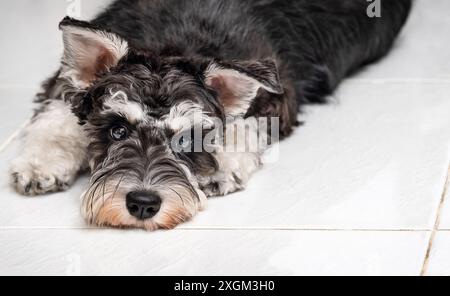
237, 83
89, 51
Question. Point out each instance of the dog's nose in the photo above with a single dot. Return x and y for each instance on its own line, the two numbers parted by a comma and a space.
143, 205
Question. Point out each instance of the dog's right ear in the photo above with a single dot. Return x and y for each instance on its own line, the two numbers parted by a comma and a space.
89, 51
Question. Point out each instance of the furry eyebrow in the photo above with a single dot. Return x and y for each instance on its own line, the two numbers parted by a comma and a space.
118, 103
186, 115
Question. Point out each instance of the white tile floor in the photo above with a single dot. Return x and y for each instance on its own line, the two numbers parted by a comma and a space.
360, 189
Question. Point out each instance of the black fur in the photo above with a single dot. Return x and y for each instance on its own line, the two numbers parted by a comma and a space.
317, 43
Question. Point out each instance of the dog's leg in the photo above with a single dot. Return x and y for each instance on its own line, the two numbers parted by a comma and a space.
237, 160
53, 151
233, 175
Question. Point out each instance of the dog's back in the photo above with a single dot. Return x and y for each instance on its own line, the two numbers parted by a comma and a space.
317, 43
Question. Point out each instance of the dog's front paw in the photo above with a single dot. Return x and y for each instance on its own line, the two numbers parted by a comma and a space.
31, 180
223, 185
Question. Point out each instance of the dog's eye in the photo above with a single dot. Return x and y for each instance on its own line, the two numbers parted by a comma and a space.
184, 142
119, 133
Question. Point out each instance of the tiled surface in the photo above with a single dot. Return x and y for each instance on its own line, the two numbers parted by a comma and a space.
211, 252
445, 215
375, 161
439, 264
30, 40
16, 108
356, 190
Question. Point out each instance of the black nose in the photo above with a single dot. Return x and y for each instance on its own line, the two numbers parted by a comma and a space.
143, 205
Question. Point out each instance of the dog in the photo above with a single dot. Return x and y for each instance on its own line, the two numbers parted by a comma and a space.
149, 95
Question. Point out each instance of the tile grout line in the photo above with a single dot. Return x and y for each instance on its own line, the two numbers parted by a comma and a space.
437, 222
302, 229
13, 136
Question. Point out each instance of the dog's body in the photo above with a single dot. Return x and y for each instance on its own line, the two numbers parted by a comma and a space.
132, 78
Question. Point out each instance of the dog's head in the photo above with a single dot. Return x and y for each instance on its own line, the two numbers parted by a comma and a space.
141, 113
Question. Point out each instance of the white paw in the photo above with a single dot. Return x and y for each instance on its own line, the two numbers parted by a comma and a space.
223, 184
31, 179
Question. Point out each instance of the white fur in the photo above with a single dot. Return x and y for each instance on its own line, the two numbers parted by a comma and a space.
118, 103
187, 115
53, 151
234, 160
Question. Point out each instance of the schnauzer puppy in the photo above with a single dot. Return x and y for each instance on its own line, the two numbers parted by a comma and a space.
149, 96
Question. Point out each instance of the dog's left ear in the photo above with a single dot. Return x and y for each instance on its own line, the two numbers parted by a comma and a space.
89, 51
237, 83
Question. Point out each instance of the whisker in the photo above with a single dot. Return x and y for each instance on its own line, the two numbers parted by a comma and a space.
118, 184
176, 192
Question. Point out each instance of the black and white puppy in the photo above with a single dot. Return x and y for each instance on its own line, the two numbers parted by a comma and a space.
132, 81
